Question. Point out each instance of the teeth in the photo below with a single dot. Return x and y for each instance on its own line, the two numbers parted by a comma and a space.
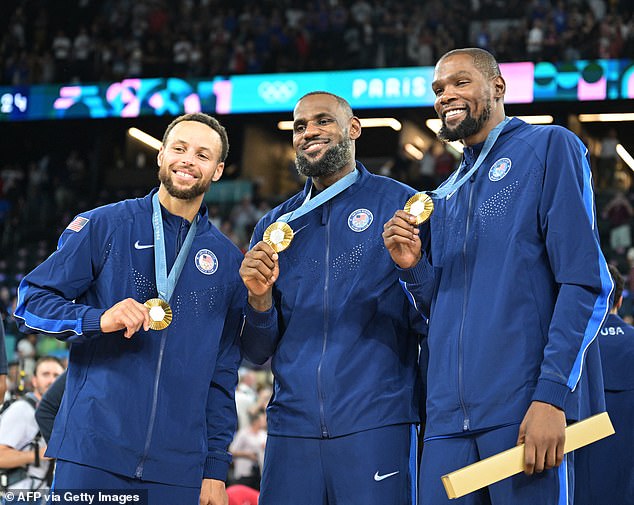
454, 112
313, 147
184, 174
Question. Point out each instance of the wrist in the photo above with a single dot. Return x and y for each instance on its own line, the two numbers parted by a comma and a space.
261, 303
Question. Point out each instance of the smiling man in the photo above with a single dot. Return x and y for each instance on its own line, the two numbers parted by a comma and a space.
149, 399
330, 312
515, 286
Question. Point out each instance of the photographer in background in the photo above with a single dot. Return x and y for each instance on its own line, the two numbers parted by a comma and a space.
22, 462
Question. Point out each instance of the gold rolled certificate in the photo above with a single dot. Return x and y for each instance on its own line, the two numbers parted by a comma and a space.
420, 205
278, 235
511, 462
160, 313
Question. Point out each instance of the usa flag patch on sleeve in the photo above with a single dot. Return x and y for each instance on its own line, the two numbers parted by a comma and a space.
78, 223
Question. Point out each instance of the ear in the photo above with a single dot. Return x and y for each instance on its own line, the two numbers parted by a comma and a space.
618, 304
500, 87
218, 172
159, 156
355, 128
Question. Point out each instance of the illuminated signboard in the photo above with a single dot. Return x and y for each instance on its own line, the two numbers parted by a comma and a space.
364, 89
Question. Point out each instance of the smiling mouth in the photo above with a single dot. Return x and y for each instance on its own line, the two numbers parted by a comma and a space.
314, 147
184, 175
453, 113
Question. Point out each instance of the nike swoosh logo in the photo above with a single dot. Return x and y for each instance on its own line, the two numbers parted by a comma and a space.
379, 478
142, 246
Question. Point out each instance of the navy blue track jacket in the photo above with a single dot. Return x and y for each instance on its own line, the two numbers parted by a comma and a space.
515, 285
342, 334
159, 406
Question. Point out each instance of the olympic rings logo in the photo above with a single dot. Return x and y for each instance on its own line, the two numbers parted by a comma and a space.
277, 91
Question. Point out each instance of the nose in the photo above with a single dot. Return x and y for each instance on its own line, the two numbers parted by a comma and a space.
311, 129
446, 96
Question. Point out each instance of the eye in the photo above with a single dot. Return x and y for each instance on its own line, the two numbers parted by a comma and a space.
324, 121
299, 128
437, 91
178, 149
203, 156
462, 83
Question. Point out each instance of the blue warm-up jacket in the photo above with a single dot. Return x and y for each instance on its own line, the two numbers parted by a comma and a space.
160, 405
515, 285
342, 334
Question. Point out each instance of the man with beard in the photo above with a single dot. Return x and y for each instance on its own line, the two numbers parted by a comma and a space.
148, 405
330, 312
515, 286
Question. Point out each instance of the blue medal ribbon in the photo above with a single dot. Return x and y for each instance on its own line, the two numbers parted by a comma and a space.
327, 194
453, 184
165, 284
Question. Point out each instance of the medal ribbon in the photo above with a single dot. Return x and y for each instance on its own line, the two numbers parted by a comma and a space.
453, 185
327, 194
165, 284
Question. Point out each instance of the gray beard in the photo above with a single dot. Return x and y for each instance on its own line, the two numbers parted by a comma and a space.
468, 127
333, 160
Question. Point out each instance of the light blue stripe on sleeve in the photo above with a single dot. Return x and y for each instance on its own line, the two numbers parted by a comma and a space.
413, 463
42, 324
409, 295
601, 305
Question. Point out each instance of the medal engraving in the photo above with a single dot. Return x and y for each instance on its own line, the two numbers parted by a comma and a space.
421, 206
278, 235
160, 313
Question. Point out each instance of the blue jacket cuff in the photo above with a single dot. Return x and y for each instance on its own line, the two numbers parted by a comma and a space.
259, 319
216, 468
551, 392
91, 322
417, 274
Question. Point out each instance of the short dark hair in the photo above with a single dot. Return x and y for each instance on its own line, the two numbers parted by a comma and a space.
343, 103
46, 359
212, 122
619, 284
483, 60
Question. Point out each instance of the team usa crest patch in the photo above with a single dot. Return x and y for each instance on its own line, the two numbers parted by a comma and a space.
78, 223
499, 169
360, 220
206, 261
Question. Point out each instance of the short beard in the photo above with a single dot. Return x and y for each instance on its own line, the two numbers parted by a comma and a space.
200, 188
468, 127
332, 161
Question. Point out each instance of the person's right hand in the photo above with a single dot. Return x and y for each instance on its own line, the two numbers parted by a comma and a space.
128, 314
259, 271
400, 236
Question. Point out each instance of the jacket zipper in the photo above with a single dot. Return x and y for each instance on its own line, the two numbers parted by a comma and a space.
320, 389
148, 439
146, 449
465, 420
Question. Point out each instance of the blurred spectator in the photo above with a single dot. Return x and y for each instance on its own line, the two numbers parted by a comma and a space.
246, 396
27, 352
242, 495
606, 165
247, 449
103, 41
619, 213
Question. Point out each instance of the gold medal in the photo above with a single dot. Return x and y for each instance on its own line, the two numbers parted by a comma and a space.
160, 313
420, 205
278, 235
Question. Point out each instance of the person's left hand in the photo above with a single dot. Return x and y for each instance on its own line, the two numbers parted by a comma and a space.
213, 492
543, 431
